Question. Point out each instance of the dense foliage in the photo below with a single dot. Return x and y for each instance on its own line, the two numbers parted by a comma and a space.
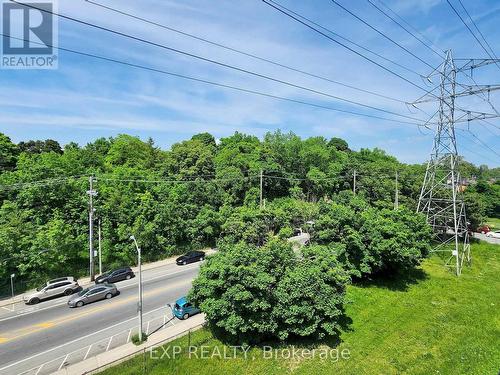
253, 293
201, 192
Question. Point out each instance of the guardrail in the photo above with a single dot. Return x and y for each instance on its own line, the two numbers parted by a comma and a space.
98, 347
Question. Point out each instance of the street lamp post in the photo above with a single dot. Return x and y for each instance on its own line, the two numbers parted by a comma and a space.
139, 305
12, 284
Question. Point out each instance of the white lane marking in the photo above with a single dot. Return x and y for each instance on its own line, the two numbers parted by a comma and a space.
78, 339
26, 312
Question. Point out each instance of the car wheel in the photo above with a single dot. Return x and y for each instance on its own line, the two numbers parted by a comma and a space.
184, 263
185, 316
79, 304
109, 295
128, 277
68, 292
34, 301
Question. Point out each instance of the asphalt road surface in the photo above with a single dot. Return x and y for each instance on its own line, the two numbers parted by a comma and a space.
51, 329
484, 237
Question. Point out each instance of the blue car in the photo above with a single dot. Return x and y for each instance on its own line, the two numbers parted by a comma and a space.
183, 309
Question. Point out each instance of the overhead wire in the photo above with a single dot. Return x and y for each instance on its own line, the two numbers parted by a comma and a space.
381, 33
478, 30
404, 28
280, 8
470, 30
229, 66
222, 85
239, 51
431, 43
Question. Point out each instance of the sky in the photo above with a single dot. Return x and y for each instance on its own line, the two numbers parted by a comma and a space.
84, 98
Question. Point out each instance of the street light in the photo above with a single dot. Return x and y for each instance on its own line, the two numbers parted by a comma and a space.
12, 284
139, 305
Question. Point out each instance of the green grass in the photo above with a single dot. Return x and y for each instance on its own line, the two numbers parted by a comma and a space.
429, 323
493, 223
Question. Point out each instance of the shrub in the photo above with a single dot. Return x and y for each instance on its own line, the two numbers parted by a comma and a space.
135, 338
250, 294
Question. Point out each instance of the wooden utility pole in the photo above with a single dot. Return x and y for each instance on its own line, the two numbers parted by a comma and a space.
354, 183
396, 197
261, 185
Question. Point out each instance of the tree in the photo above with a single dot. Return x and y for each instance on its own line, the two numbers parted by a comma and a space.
250, 293
339, 144
8, 154
38, 147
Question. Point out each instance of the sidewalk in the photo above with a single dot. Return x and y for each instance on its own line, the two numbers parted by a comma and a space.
127, 351
84, 281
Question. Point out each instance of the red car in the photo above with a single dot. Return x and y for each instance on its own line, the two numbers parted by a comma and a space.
483, 229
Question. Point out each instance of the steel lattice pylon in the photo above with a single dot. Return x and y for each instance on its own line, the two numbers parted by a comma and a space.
441, 195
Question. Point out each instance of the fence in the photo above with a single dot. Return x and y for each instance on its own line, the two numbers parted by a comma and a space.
143, 356
98, 347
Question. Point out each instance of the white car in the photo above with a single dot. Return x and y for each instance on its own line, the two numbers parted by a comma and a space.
495, 234
63, 286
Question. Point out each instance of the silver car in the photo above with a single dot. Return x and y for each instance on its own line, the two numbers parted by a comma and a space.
63, 286
92, 294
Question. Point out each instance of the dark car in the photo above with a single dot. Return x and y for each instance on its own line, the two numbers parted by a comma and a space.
192, 256
119, 274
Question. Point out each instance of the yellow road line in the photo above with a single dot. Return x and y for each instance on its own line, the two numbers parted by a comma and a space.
47, 325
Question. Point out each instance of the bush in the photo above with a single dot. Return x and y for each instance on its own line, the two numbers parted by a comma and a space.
250, 294
374, 240
136, 341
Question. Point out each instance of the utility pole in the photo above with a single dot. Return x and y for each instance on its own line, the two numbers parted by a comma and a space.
354, 182
441, 198
396, 197
100, 250
91, 192
261, 185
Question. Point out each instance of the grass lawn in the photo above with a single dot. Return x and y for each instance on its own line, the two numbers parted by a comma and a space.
431, 323
493, 223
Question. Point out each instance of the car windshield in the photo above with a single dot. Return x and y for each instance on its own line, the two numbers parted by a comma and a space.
177, 307
40, 288
82, 292
107, 273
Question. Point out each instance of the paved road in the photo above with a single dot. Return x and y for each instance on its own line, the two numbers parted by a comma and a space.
50, 329
483, 237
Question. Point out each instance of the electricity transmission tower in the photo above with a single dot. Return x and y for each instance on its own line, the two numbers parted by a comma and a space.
441, 198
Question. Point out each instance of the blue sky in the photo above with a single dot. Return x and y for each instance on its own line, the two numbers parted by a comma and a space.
85, 99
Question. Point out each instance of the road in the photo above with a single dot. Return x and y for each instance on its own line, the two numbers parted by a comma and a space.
483, 237
51, 329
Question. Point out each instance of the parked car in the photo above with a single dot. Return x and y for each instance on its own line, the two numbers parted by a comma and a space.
92, 294
495, 234
119, 274
190, 257
483, 229
183, 309
63, 286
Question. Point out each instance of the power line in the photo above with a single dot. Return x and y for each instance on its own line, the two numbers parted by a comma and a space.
242, 52
405, 29
407, 24
381, 33
480, 141
339, 43
246, 71
478, 30
222, 85
348, 40
470, 30
484, 157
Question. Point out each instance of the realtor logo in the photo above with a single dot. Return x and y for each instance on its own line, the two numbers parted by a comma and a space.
29, 35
